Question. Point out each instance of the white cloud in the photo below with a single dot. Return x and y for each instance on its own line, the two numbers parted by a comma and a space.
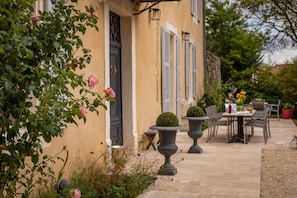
279, 57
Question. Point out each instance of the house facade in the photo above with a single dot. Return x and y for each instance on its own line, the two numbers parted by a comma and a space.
154, 66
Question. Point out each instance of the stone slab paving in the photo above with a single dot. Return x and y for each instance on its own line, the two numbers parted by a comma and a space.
222, 170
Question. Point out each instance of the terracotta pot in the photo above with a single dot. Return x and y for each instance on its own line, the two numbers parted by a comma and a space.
287, 113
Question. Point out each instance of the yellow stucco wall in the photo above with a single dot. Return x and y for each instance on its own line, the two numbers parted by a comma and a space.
148, 49
86, 141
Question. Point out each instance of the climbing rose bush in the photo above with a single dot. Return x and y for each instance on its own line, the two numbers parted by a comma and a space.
39, 56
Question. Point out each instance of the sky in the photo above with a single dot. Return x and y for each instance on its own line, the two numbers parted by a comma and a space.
280, 57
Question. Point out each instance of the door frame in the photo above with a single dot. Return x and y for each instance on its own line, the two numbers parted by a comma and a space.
130, 135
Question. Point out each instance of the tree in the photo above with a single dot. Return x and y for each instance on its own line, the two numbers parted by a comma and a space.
286, 82
229, 38
38, 59
275, 17
263, 85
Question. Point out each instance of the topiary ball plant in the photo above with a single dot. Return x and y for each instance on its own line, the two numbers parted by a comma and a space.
195, 111
167, 119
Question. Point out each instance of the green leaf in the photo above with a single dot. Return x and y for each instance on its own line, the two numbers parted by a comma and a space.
34, 159
81, 91
28, 104
96, 102
56, 45
7, 86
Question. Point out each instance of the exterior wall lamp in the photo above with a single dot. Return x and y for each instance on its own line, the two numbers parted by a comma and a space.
185, 36
155, 14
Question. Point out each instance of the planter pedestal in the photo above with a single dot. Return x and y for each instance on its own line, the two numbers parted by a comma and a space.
167, 147
195, 132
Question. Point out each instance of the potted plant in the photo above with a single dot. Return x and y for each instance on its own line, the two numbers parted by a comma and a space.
240, 100
195, 116
167, 125
287, 110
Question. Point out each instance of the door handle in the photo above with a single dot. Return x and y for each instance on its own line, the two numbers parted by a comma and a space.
113, 70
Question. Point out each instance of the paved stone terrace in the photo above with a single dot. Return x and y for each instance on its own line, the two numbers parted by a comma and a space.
223, 169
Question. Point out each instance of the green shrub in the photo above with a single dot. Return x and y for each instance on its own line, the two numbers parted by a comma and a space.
288, 106
167, 119
195, 111
123, 178
286, 82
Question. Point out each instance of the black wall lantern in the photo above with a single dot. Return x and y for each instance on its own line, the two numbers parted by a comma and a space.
155, 14
185, 36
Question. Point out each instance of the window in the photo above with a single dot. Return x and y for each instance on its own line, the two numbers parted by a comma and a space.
171, 72
193, 7
190, 70
199, 10
43, 5
196, 9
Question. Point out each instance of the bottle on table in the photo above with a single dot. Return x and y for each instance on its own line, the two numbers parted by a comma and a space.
230, 108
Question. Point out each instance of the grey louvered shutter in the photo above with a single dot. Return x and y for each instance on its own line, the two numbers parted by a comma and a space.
48, 5
194, 71
193, 7
178, 105
199, 10
187, 72
165, 70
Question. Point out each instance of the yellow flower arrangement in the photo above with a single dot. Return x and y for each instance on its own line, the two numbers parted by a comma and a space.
240, 98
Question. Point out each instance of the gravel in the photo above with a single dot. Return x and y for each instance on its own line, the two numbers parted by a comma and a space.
278, 173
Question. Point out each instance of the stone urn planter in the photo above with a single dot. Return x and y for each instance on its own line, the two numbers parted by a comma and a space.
167, 126
195, 116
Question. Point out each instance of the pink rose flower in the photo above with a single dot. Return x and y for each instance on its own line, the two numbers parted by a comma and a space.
93, 10
110, 92
92, 81
84, 111
76, 193
35, 19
